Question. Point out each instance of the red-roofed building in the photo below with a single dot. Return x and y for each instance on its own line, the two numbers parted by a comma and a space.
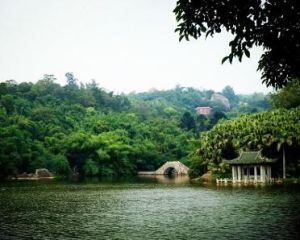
203, 110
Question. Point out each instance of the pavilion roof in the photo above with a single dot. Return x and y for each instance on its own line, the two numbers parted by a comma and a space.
247, 158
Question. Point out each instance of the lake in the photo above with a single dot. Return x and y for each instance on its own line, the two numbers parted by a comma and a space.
146, 208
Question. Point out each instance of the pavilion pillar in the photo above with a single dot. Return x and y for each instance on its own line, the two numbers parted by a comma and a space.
269, 172
255, 173
242, 173
262, 173
248, 173
239, 173
233, 173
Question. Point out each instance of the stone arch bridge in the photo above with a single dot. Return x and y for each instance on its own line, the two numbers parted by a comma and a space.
170, 167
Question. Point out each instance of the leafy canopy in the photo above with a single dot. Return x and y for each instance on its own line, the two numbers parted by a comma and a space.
288, 97
271, 24
270, 130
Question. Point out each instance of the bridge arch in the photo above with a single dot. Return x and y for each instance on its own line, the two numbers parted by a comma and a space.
170, 171
172, 168
175, 167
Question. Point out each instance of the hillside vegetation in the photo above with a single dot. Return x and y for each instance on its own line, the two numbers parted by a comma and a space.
275, 132
85, 130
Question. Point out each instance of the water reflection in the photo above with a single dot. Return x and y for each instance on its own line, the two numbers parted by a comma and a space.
167, 179
146, 208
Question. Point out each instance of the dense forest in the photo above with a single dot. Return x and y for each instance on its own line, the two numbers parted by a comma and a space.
82, 129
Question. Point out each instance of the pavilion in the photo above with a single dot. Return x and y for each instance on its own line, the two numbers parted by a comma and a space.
251, 167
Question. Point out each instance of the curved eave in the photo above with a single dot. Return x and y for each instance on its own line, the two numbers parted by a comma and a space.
254, 162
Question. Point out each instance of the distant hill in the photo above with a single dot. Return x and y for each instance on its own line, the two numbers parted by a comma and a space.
184, 99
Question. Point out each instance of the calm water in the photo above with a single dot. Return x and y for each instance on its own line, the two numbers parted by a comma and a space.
146, 209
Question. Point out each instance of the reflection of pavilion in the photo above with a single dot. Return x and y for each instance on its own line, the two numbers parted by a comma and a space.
251, 167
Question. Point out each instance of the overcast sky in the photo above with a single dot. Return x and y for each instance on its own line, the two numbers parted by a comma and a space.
125, 45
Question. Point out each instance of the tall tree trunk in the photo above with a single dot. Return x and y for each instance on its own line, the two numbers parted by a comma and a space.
283, 163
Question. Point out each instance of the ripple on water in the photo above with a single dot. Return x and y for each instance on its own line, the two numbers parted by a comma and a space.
146, 210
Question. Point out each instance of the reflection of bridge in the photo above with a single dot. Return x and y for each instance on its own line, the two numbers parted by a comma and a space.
168, 168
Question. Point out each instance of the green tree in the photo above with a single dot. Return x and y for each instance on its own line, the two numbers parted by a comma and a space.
288, 97
88, 131
202, 123
71, 80
276, 131
187, 121
273, 25
216, 116
8, 102
229, 93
